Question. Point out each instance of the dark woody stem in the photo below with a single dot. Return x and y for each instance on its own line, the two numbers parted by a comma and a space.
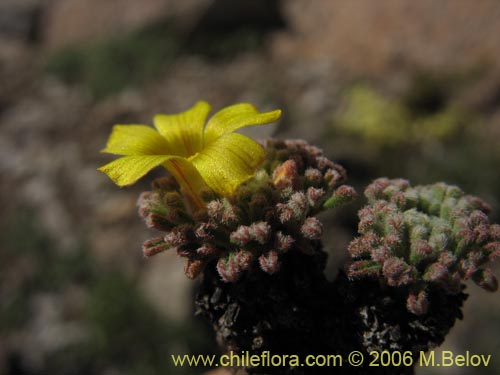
298, 311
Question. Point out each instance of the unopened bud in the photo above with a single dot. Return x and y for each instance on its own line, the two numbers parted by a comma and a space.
384, 208
438, 273
244, 259
207, 250
468, 268
447, 259
439, 241
228, 269
466, 239
495, 232
260, 232
178, 236
394, 224
193, 268
154, 246
313, 176
454, 192
205, 231
270, 262
285, 175
184, 252
398, 272
158, 222
175, 216
420, 250
343, 195
375, 190
363, 245
283, 242
298, 203
332, 178
174, 200
324, 163
419, 232
477, 203
380, 254
363, 268
285, 212
411, 196
221, 210
493, 250
393, 241
312, 228
481, 233
241, 236
486, 280
313, 150
229, 213
143, 204
417, 304
366, 219
399, 199
315, 196
215, 209
479, 217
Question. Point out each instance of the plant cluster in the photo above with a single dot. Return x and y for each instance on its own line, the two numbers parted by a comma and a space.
244, 217
423, 237
268, 216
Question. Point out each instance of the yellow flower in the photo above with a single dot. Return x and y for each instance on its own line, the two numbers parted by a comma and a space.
195, 154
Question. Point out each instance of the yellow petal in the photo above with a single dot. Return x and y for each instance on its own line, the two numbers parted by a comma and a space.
235, 117
188, 178
229, 161
184, 131
136, 140
128, 169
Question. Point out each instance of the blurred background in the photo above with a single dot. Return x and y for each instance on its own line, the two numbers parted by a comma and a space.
388, 88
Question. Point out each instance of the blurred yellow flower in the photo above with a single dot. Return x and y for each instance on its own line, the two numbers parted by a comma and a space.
195, 154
